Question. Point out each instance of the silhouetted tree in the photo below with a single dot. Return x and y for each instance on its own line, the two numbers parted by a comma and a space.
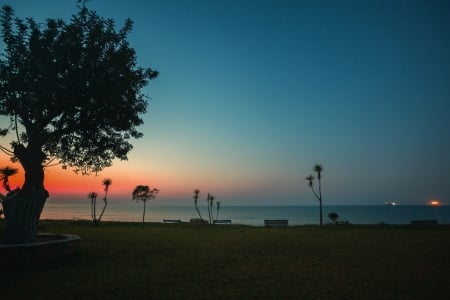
72, 92
217, 210
209, 205
210, 201
196, 192
144, 193
318, 169
106, 183
93, 197
333, 217
5, 173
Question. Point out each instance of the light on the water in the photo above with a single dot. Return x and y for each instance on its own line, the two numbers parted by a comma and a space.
434, 203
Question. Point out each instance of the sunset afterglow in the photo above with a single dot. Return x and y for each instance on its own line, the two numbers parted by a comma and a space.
252, 94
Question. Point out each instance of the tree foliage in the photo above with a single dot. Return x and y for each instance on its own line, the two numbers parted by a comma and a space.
5, 173
72, 92
71, 89
333, 217
144, 193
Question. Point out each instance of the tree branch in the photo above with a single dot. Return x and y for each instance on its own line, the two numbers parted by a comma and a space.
315, 194
17, 130
6, 151
49, 163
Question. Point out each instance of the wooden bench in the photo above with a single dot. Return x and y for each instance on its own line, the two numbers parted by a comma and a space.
171, 221
343, 223
424, 222
198, 221
276, 223
222, 222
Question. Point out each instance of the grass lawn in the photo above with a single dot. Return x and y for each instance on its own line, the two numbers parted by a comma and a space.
184, 261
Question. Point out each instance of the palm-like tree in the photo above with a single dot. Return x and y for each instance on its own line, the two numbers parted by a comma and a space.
210, 208
93, 197
143, 193
196, 192
318, 169
310, 178
217, 210
106, 182
5, 173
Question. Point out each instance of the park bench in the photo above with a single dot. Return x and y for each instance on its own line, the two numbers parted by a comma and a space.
343, 222
171, 221
424, 222
198, 221
276, 223
222, 222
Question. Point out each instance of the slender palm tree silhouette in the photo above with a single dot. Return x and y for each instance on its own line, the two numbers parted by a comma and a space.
196, 192
210, 208
318, 169
93, 197
106, 182
310, 178
5, 173
217, 210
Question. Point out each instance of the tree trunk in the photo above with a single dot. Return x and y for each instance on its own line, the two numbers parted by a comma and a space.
320, 200
321, 220
198, 211
103, 210
209, 209
143, 214
23, 207
92, 210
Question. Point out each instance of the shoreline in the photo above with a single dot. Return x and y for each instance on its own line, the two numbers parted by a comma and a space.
184, 223
255, 215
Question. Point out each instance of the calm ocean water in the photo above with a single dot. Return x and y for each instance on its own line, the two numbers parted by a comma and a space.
247, 215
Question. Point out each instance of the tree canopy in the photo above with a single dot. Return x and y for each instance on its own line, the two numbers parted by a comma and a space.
144, 193
73, 94
71, 89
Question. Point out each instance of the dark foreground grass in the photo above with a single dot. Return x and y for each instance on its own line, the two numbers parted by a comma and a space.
183, 261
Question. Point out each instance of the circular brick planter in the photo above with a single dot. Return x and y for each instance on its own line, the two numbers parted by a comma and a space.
49, 246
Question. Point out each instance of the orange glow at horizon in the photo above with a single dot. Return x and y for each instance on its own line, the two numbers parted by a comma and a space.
58, 181
434, 203
124, 180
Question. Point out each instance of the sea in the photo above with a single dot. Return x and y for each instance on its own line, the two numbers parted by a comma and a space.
130, 211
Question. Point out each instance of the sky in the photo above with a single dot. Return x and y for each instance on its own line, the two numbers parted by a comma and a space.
253, 93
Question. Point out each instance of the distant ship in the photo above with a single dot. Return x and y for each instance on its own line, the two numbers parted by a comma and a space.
390, 203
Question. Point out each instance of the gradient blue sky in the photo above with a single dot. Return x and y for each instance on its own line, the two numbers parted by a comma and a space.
252, 94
